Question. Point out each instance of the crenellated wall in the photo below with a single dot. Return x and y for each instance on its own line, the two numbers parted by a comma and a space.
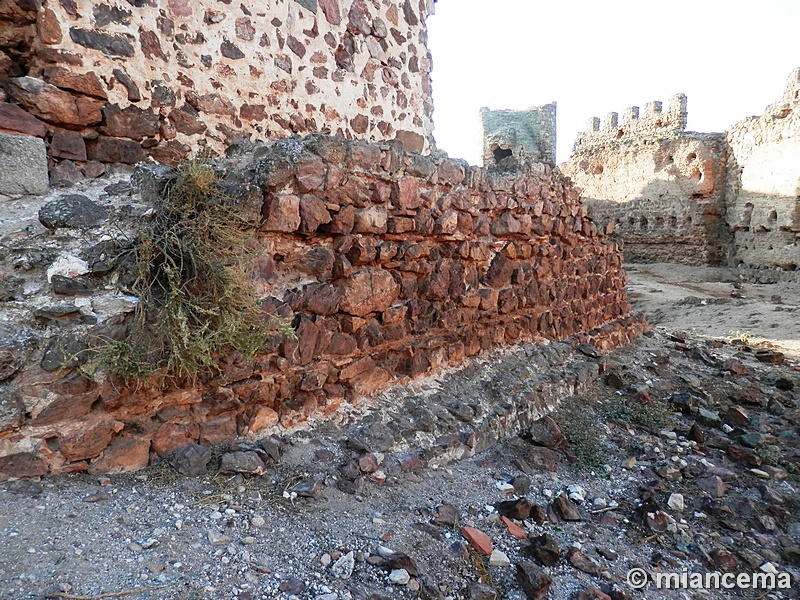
660, 188
113, 81
390, 265
653, 122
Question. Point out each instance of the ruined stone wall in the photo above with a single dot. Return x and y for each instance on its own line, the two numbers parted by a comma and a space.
763, 208
105, 82
390, 265
512, 135
660, 188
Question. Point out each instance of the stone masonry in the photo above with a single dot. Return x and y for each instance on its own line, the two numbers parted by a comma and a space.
696, 198
763, 208
116, 82
513, 135
390, 265
661, 188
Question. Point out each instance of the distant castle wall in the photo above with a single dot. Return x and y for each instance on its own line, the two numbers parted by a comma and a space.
764, 184
512, 135
653, 121
660, 188
697, 198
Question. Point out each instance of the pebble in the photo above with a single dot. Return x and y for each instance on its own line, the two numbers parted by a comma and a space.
399, 577
343, 568
326, 560
676, 502
218, 539
499, 559
257, 521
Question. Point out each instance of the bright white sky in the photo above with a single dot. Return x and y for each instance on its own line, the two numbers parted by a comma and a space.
730, 57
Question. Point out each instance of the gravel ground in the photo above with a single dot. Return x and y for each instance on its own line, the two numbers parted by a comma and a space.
631, 452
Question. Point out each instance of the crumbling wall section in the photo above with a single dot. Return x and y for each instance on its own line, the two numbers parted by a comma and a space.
510, 136
105, 82
660, 188
390, 265
763, 208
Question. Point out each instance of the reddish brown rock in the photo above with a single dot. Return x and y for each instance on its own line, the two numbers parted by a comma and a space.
330, 8
126, 453
406, 193
150, 44
412, 141
15, 120
68, 144
49, 28
360, 124
533, 581
83, 83
478, 540
186, 120
592, 593
23, 464
310, 175
281, 213
115, 150
131, 122
88, 442
53, 105
171, 436
546, 432
218, 430
514, 529
371, 220
368, 290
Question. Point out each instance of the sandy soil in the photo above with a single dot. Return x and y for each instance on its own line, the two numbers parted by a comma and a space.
715, 303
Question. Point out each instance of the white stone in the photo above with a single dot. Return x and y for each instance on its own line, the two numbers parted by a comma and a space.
67, 265
768, 567
499, 559
676, 502
399, 577
343, 568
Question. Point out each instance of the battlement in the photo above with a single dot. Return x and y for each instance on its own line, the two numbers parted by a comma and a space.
654, 120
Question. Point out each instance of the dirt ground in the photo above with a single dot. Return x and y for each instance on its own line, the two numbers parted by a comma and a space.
687, 410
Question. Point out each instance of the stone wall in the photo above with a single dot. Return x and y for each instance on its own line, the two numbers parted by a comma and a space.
697, 198
390, 265
654, 122
764, 184
513, 135
660, 188
106, 82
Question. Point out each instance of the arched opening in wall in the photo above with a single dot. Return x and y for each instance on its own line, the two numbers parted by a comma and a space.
659, 222
691, 157
643, 222
673, 221
773, 219
501, 153
631, 221
688, 221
